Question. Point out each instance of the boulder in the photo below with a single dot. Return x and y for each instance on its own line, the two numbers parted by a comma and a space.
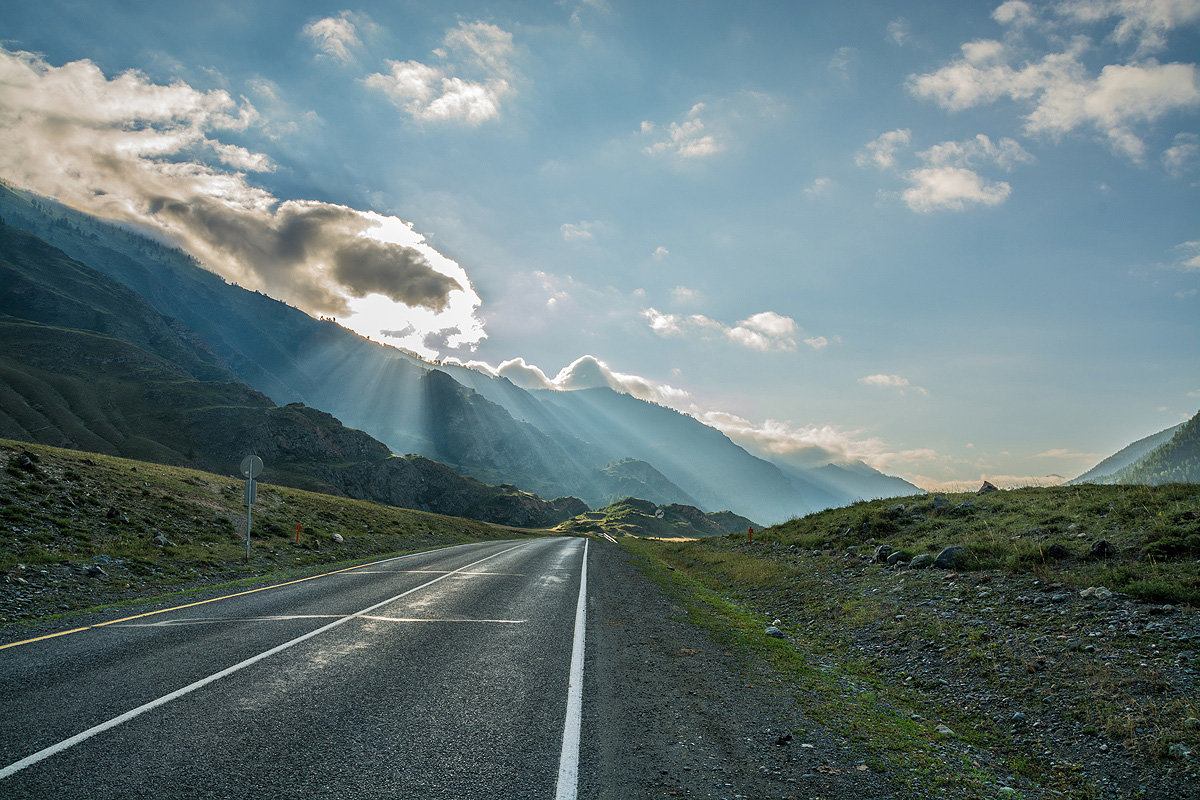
881, 553
951, 557
987, 488
898, 557
1103, 549
773, 632
923, 561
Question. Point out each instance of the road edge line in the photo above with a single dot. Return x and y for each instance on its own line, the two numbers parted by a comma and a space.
568, 762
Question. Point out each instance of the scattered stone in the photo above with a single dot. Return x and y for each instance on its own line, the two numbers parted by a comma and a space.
95, 571
774, 632
1103, 549
951, 557
882, 552
1007, 791
1178, 752
1191, 724
945, 732
1019, 718
987, 488
785, 739
965, 508
1055, 552
896, 558
896, 509
1097, 593
923, 561
163, 541
337, 537
940, 503
1059, 598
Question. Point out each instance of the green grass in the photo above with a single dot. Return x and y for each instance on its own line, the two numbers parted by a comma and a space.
59, 514
845, 620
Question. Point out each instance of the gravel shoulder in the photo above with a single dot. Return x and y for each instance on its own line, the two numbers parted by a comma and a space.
670, 713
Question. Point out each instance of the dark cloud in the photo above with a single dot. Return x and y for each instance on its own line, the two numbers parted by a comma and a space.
314, 252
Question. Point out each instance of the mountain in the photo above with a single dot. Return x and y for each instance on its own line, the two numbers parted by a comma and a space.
634, 517
115, 376
1108, 469
1175, 461
580, 443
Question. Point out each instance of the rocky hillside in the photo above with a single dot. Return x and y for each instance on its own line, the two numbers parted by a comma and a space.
550, 443
69, 377
633, 517
81, 529
1035, 643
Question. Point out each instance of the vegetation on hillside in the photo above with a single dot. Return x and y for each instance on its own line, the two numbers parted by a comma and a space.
1177, 461
1058, 656
90, 528
634, 517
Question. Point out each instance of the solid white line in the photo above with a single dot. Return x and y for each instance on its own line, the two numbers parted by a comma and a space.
174, 623
142, 709
568, 762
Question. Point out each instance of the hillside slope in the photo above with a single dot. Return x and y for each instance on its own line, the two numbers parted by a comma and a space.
1175, 461
87, 389
1106, 470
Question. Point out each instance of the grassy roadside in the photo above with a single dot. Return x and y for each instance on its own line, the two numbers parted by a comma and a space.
79, 530
1046, 692
875, 718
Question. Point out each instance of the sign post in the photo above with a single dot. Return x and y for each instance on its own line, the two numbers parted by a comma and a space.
252, 467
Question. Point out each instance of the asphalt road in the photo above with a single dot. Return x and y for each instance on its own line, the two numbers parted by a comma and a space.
443, 674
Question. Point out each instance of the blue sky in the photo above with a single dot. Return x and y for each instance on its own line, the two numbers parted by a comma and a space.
956, 240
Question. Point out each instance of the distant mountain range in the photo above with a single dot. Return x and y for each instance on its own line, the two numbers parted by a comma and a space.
594, 444
1169, 456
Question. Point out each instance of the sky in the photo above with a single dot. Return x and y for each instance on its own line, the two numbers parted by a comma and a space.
955, 240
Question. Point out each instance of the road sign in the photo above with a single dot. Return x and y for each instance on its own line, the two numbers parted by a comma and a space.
252, 466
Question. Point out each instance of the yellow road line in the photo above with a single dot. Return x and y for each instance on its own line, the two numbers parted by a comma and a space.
197, 603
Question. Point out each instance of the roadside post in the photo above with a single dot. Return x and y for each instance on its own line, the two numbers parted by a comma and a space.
252, 467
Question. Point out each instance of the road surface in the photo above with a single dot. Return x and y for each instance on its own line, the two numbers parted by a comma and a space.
442, 674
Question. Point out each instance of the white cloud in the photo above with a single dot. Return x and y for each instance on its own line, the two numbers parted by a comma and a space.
1062, 97
899, 31
336, 38
1015, 13
842, 61
818, 186
822, 443
660, 253
892, 382
1183, 156
1062, 452
951, 188
436, 94
765, 331
1189, 256
685, 139
947, 181
581, 231
1006, 153
682, 294
1000, 481
1144, 22
881, 153
586, 372
131, 150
